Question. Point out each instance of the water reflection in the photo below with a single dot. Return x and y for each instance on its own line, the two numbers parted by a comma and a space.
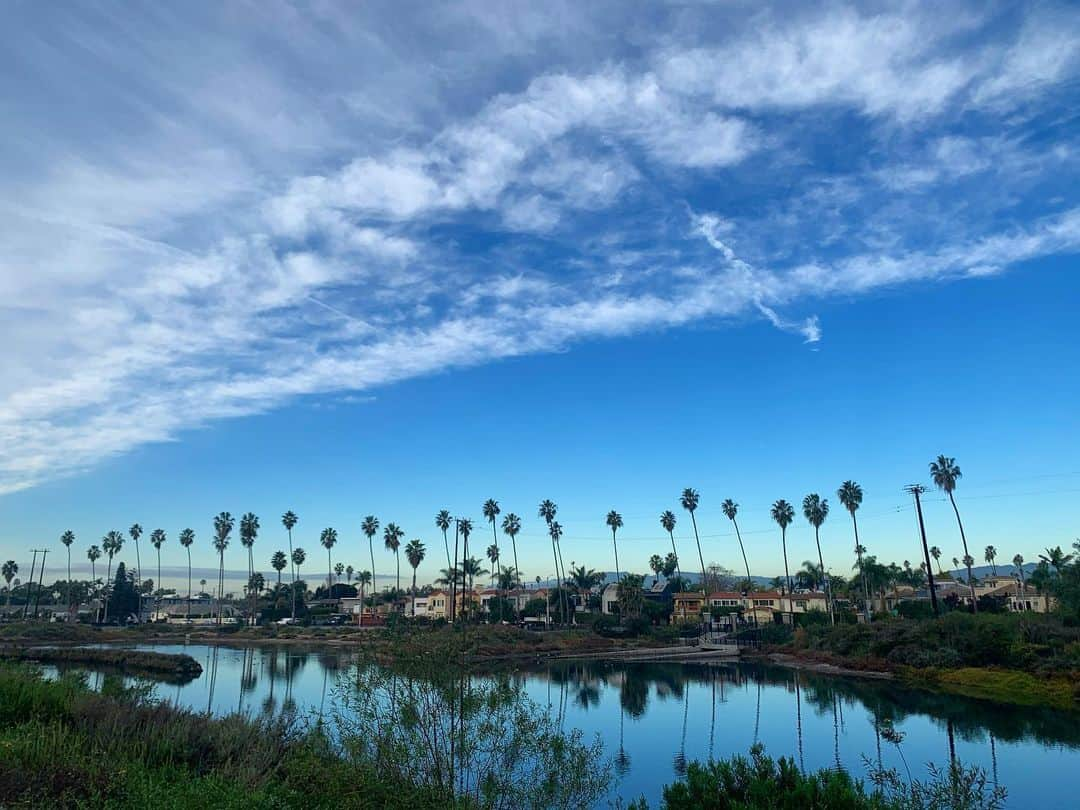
666, 715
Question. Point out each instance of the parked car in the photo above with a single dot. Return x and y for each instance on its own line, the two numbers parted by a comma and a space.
288, 620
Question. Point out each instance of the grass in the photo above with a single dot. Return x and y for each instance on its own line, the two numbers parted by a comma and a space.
1000, 685
175, 667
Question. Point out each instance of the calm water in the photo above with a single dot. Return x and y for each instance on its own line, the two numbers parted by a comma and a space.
654, 718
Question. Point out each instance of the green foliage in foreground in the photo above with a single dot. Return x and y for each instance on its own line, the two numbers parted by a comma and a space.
64, 745
762, 783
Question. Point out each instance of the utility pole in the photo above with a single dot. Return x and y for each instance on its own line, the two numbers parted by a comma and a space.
917, 490
41, 581
29, 582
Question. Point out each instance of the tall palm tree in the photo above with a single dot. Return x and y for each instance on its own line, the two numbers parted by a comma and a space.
815, 510
946, 473
363, 579
731, 510
511, 526
111, 544
443, 521
414, 553
689, 500
249, 530
67, 538
187, 537
491, 513
278, 561
392, 535
547, 511
935, 552
298, 557
492, 553
555, 532
1018, 561
667, 520
136, 532
328, 539
370, 527
289, 520
9, 569
93, 554
783, 513
223, 526
851, 496
614, 522
157, 540
990, 555
464, 528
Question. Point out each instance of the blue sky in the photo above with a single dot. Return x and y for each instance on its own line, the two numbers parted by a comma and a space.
353, 260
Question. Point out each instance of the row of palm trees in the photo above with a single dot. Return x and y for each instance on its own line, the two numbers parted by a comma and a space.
815, 509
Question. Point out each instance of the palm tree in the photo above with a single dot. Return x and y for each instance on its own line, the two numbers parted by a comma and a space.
111, 543
656, 563
363, 578
946, 473
492, 553
667, 520
464, 528
187, 537
249, 530
392, 535
328, 539
547, 511
157, 540
690, 500
491, 512
956, 563
511, 526
288, 520
349, 571
339, 569
1018, 561
298, 557
990, 555
935, 552
223, 526
851, 496
136, 532
731, 510
9, 569
370, 527
815, 510
583, 581
93, 554
443, 521
67, 538
783, 513
278, 561
414, 553
1056, 558
555, 532
615, 522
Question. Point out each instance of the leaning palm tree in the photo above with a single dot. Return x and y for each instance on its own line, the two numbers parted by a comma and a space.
93, 554
370, 527
1018, 561
547, 511
615, 522
136, 532
815, 510
67, 538
328, 539
249, 530
935, 552
491, 513
9, 569
157, 540
443, 521
278, 561
289, 520
511, 526
731, 510
689, 501
414, 553
392, 535
990, 555
187, 537
851, 496
783, 513
111, 544
946, 473
223, 526
667, 520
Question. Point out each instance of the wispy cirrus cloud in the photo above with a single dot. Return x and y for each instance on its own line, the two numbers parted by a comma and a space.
334, 214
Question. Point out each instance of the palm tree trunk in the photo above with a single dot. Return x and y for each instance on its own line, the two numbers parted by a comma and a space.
69, 578
862, 574
821, 565
108, 589
292, 566
558, 585
371, 551
189, 583
517, 571
138, 577
616, 545
329, 574
446, 544
701, 558
787, 575
397, 560
454, 578
678, 571
963, 539
562, 592
413, 593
